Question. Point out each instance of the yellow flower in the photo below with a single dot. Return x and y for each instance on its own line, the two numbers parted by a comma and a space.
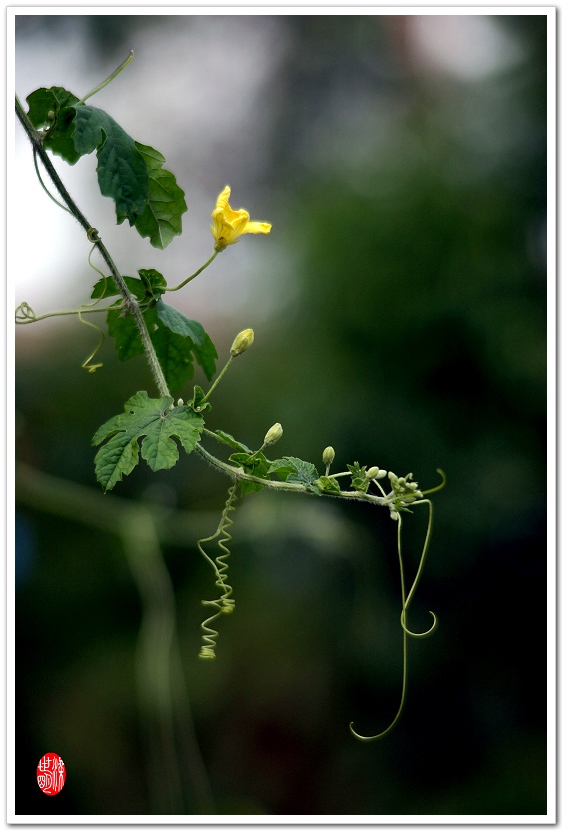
229, 224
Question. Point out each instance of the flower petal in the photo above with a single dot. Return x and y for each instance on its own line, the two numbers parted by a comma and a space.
222, 200
257, 227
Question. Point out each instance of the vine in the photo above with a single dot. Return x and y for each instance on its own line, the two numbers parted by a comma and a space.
141, 323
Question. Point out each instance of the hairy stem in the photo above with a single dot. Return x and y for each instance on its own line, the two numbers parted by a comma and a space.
239, 474
130, 301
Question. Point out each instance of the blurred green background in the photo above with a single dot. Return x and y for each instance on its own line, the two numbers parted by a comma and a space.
399, 307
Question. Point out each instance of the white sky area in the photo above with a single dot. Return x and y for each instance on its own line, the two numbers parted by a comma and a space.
201, 91
467, 47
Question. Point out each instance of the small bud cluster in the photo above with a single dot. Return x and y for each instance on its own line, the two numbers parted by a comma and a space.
405, 492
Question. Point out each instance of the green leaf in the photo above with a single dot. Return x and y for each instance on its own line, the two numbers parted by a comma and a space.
328, 485
171, 333
225, 438
105, 287
151, 421
359, 480
161, 217
59, 136
124, 329
43, 101
255, 464
174, 355
175, 321
127, 336
150, 286
153, 281
206, 356
282, 468
122, 172
306, 473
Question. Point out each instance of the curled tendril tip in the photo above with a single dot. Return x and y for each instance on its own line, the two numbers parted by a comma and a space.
25, 313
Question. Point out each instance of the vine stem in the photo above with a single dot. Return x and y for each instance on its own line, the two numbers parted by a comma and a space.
129, 300
239, 474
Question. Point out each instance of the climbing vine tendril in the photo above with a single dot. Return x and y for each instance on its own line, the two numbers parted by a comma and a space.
224, 604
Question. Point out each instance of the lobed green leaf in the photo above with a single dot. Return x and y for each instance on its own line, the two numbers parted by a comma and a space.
305, 472
151, 421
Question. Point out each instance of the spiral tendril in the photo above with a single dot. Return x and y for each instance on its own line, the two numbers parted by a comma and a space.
224, 604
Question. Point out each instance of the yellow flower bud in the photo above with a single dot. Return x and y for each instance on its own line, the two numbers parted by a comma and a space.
328, 456
273, 435
242, 342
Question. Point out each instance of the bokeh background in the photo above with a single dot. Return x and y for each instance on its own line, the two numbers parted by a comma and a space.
399, 308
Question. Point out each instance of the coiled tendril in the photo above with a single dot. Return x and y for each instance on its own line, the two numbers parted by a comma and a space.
224, 604
25, 313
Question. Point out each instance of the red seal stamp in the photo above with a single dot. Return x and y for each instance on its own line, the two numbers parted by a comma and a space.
51, 773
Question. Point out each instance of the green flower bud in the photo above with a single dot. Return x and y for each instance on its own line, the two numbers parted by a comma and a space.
273, 435
372, 472
242, 342
328, 456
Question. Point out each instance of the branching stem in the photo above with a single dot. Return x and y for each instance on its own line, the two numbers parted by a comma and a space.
129, 300
239, 474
